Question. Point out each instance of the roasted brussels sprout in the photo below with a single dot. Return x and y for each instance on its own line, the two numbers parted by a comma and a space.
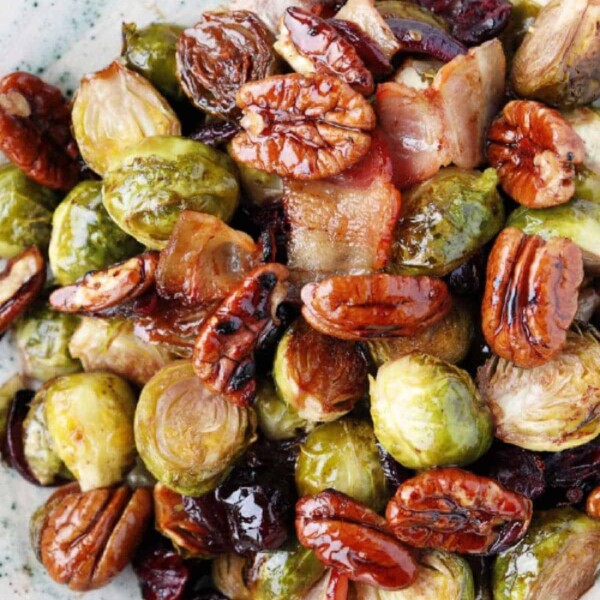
90, 422
260, 188
42, 337
558, 558
149, 185
442, 576
448, 339
559, 59
187, 436
428, 413
343, 456
319, 376
445, 220
151, 52
276, 419
8, 389
113, 110
549, 408
25, 212
84, 238
41, 458
110, 345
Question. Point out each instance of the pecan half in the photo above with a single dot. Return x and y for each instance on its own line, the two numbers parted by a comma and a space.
592, 505
224, 350
451, 509
364, 307
321, 49
100, 290
302, 126
87, 538
530, 297
35, 130
535, 150
354, 540
20, 282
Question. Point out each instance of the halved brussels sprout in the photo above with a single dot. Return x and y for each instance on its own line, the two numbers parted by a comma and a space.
8, 389
151, 52
445, 220
25, 212
84, 238
552, 407
428, 413
449, 339
113, 110
111, 345
319, 376
90, 422
343, 456
276, 419
149, 185
43, 461
441, 576
558, 558
42, 336
188, 436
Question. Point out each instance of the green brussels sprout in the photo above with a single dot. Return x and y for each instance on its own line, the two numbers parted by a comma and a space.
25, 212
188, 436
559, 59
552, 407
343, 456
8, 389
428, 413
42, 336
578, 220
260, 188
449, 339
84, 238
90, 422
445, 220
276, 419
558, 558
43, 461
149, 185
442, 576
111, 346
151, 52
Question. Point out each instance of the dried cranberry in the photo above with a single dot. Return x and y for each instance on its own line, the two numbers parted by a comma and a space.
394, 472
215, 133
468, 278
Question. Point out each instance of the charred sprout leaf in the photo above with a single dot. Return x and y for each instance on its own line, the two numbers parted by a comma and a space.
25, 212
90, 422
151, 51
42, 337
558, 558
84, 238
14, 442
428, 413
188, 436
8, 389
318, 376
406, 9
343, 456
115, 109
150, 184
552, 407
111, 346
445, 220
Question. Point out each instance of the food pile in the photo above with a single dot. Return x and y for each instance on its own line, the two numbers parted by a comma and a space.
308, 296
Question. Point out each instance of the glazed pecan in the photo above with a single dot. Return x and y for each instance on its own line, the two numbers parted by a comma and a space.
354, 540
224, 350
535, 150
87, 538
302, 126
364, 307
592, 505
20, 282
35, 130
530, 297
100, 290
223, 51
451, 509
322, 49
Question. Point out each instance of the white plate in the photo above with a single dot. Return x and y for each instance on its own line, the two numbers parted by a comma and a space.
61, 40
